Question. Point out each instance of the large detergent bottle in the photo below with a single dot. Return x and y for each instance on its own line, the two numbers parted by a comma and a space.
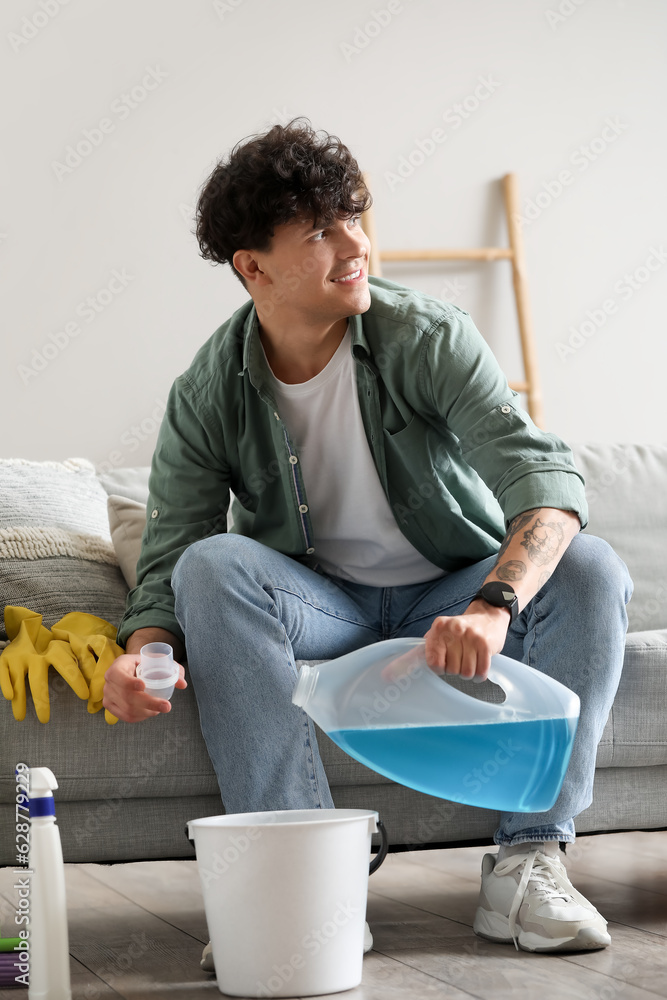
385, 707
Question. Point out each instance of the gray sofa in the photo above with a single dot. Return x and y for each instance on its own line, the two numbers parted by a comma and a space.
126, 791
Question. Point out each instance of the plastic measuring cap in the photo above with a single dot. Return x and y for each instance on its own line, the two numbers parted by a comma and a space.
157, 669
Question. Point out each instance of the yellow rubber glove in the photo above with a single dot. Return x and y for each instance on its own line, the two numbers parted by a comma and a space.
30, 653
92, 642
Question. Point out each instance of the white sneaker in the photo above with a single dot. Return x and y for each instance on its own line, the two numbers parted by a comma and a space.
207, 965
527, 898
206, 962
368, 938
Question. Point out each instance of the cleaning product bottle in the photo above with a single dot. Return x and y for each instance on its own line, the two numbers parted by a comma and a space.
385, 707
49, 942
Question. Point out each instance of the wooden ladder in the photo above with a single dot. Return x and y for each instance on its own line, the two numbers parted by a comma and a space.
530, 384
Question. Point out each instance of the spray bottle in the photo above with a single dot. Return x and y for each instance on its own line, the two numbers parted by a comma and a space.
49, 942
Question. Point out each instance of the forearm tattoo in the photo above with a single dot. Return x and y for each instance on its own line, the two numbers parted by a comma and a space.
542, 541
513, 569
519, 522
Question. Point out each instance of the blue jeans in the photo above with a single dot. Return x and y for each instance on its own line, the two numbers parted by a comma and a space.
248, 612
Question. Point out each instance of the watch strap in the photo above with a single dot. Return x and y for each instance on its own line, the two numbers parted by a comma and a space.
499, 595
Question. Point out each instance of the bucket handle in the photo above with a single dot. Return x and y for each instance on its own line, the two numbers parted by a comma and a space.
375, 863
384, 848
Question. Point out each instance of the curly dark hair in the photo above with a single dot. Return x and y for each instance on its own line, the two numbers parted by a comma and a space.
269, 179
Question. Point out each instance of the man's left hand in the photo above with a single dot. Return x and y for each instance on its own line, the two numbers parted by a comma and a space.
464, 644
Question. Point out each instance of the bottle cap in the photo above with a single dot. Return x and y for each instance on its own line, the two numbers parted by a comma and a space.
40, 795
42, 781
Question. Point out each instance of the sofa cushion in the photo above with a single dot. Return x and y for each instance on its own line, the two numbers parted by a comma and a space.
625, 487
56, 553
158, 758
636, 731
127, 520
127, 481
166, 756
128, 494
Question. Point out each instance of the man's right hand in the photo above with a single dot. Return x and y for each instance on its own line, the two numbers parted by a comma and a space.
124, 693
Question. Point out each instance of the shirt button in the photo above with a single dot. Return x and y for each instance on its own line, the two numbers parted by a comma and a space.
276, 415
303, 508
310, 551
505, 409
293, 459
154, 512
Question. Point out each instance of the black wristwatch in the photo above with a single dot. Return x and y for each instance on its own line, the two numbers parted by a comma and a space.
499, 595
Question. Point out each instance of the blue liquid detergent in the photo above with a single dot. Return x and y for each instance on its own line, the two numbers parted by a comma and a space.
509, 766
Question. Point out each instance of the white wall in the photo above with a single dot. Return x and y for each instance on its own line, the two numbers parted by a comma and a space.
225, 69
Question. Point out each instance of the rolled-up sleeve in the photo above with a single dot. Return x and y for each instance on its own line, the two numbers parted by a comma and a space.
523, 466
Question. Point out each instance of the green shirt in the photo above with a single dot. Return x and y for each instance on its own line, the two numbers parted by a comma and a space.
456, 457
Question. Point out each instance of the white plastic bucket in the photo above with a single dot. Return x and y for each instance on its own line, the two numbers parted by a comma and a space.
285, 898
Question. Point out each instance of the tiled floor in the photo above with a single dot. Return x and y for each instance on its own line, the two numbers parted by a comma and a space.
137, 930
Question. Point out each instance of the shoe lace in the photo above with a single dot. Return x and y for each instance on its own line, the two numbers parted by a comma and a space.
550, 875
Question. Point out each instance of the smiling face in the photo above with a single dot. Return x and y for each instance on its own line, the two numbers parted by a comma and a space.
310, 276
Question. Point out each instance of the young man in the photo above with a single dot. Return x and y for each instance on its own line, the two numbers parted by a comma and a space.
385, 484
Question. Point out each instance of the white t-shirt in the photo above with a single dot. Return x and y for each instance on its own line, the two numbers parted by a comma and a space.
355, 534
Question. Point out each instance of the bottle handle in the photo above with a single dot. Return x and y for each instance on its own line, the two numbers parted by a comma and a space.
528, 691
